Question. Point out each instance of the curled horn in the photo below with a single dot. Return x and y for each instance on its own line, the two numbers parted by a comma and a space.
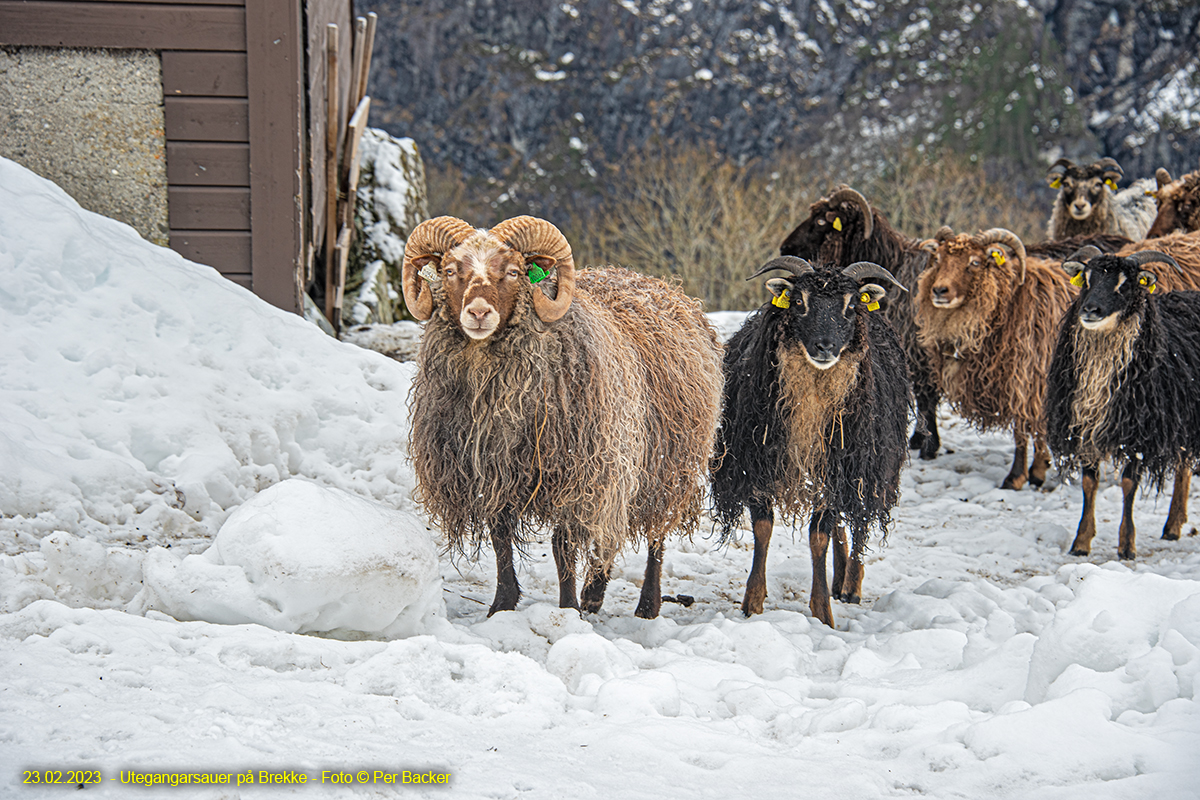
844, 194
531, 236
1152, 257
944, 233
1110, 164
1065, 163
433, 237
1162, 177
1005, 237
1080, 257
861, 270
794, 265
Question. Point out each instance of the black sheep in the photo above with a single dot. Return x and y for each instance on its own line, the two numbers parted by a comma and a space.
815, 419
1122, 385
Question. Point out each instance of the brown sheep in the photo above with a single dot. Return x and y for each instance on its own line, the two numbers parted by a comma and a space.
588, 406
987, 315
1178, 204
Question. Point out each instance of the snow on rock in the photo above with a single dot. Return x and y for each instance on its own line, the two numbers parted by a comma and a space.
304, 558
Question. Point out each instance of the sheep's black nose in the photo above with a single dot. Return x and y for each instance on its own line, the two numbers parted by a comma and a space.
825, 349
941, 291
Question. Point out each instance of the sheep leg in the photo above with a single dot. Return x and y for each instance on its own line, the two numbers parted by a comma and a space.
508, 591
926, 440
1020, 466
763, 519
1178, 513
564, 559
596, 583
819, 529
840, 551
1087, 520
1041, 460
852, 585
1126, 548
650, 603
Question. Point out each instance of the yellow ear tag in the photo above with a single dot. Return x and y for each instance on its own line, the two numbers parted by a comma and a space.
871, 304
781, 300
837, 223
1110, 183
1151, 194
1057, 182
1150, 287
1077, 280
999, 257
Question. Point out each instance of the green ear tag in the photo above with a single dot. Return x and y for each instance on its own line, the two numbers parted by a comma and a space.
537, 274
1077, 280
781, 300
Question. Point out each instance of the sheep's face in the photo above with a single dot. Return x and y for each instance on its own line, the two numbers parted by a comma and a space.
963, 273
1178, 206
1113, 290
1083, 187
825, 312
483, 280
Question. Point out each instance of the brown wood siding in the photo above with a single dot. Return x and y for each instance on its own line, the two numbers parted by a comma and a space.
207, 119
209, 208
150, 26
203, 74
208, 164
230, 249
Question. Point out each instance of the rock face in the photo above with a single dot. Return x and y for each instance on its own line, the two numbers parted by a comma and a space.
391, 202
568, 87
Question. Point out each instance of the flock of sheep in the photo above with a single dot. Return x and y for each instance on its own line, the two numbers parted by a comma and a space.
599, 403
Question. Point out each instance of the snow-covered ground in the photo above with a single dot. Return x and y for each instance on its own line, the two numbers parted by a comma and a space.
146, 404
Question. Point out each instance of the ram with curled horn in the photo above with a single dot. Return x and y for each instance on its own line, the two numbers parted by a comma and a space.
986, 315
1178, 204
1121, 384
579, 402
815, 419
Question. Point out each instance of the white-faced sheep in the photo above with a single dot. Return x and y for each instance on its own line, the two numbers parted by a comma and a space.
1178, 204
987, 315
1088, 201
1122, 385
816, 413
588, 406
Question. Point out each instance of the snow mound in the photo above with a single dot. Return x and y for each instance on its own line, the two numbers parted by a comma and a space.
303, 558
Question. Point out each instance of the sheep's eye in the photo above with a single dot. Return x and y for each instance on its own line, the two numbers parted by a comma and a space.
975, 262
822, 222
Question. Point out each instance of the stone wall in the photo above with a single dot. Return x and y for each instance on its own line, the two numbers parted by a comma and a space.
92, 122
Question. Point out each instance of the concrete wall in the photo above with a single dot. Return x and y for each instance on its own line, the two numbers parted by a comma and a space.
92, 122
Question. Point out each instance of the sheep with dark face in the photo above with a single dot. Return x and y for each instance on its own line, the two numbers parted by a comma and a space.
1089, 202
987, 315
815, 418
1122, 384
842, 228
1178, 204
588, 407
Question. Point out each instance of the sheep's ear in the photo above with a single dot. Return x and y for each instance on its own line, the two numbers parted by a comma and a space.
1054, 179
871, 294
1111, 176
427, 267
1075, 270
999, 254
538, 266
1148, 281
930, 245
781, 288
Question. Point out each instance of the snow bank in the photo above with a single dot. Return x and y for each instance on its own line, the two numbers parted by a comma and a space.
302, 558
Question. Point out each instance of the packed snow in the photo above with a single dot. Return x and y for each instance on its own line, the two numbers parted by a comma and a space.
191, 480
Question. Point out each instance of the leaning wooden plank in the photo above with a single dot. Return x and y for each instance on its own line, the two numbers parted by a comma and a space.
351, 158
331, 164
343, 256
369, 48
359, 52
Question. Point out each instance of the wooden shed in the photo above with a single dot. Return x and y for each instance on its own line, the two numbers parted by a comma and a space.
244, 103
